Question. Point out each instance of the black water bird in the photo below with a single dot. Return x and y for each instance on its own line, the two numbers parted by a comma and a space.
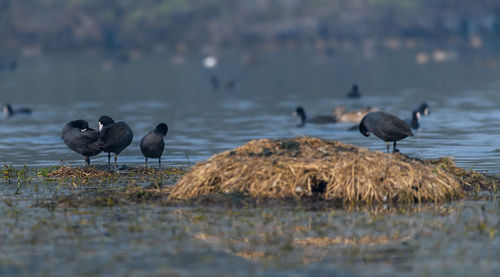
413, 122
8, 111
354, 92
152, 144
424, 109
385, 126
231, 84
83, 140
11, 65
115, 136
321, 119
214, 81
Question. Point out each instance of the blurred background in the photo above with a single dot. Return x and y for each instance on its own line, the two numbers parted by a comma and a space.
37, 26
222, 72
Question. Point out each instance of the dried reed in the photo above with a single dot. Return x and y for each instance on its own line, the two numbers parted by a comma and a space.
305, 166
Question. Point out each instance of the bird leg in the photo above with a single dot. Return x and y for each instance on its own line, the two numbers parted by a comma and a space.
109, 159
387, 144
395, 150
159, 163
116, 159
146, 164
87, 161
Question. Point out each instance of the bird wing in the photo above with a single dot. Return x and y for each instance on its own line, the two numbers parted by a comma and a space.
116, 130
398, 128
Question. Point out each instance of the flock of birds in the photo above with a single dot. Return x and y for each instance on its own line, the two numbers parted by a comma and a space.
382, 124
114, 137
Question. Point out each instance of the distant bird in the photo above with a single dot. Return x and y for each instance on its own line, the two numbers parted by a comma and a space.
12, 65
115, 136
210, 61
343, 116
80, 138
322, 119
8, 111
413, 122
386, 127
354, 93
424, 109
215, 82
230, 84
152, 143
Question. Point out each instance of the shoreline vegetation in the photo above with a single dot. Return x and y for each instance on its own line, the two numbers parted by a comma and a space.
337, 174
33, 27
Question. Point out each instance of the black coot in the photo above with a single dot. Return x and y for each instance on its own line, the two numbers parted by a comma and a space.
214, 80
115, 136
83, 140
424, 109
354, 93
321, 119
9, 111
152, 144
385, 126
413, 122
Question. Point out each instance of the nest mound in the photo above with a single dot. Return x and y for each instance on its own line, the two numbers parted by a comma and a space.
305, 167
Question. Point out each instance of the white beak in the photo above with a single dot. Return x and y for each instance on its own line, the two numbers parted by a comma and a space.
100, 126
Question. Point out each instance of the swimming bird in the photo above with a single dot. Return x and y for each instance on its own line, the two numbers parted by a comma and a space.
83, 140
231, 84
11, 65
322, 119
210, 61
9, 111
115, 136
413, 122
424, 109
386, 127
343, 116
354, 92
215, 82
152, 143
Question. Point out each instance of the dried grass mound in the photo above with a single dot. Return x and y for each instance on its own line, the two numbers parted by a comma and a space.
472, 181
305, 166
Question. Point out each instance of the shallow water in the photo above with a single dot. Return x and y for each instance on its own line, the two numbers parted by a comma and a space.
454, 239
462, 95
458, 239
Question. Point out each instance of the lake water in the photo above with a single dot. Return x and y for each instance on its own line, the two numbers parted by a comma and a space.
460, 238
462, 94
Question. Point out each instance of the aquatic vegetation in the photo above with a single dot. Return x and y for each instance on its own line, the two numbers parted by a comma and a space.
472, 181
65, 171
20, 176
330, 170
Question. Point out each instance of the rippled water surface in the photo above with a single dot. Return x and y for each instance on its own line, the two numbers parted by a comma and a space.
462, 94
452, 239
